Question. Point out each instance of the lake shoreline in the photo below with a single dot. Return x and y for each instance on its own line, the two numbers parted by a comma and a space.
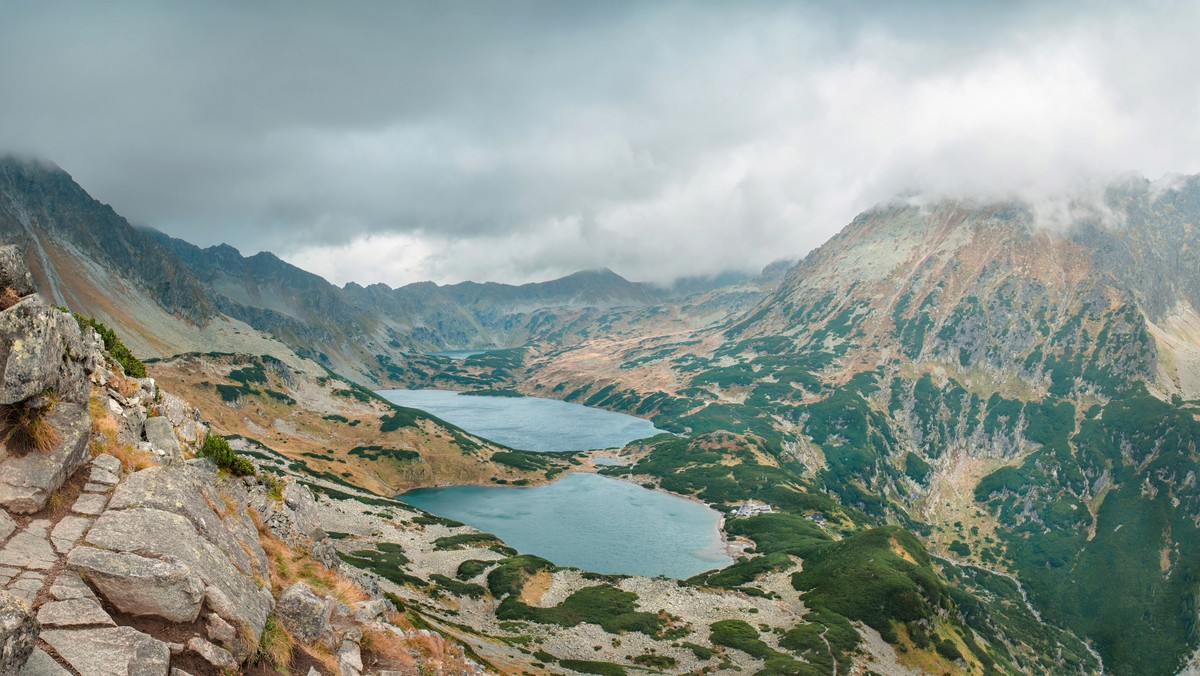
729, 546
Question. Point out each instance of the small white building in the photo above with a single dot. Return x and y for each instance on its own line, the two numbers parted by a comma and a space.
753, 508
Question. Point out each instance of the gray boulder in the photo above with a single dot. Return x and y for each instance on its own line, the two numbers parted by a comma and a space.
41, 350
170, 513
157, 534
184, 417
141, 586
18, 633
26, 481
14, 273
110, 650
161, 435
191, 493
213, 654
350, 659
304, 613
131, 423
107, 463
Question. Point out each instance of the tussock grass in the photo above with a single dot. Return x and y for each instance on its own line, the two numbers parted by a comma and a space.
277, 645
24, 429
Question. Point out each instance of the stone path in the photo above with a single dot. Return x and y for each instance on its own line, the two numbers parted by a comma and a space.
74, 624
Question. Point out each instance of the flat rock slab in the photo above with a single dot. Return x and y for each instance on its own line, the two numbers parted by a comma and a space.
96, 488
108, 463
90, 504
139, 585
100, 475
110, 650
41, 664
68, 532
213, 654
68, 585
30, 548
26, 481
27, 585
73, 613
7, 574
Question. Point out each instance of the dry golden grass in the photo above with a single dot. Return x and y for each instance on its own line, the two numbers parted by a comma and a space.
289, 566
8, 298
24, 429
104, 439
382, 648
412, 652
133, 459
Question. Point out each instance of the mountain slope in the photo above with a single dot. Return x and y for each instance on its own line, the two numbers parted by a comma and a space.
1020, 396
170, 297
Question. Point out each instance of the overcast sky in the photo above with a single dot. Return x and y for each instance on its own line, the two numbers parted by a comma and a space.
519, 141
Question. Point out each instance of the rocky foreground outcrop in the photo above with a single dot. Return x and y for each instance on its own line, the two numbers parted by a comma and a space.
148, 563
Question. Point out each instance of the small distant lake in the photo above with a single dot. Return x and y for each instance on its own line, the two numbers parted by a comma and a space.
456, 354
589, 521
528, 423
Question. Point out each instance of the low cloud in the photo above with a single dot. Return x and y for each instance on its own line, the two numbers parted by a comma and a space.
398, 143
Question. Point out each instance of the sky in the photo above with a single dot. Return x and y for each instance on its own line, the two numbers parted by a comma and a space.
520, 141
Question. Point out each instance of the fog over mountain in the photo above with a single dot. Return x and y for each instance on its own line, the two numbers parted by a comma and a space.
520, 142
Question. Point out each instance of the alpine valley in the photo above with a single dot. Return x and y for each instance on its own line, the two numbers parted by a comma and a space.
976, 429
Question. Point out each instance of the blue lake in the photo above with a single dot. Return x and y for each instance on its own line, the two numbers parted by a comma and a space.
590, 521
528, 423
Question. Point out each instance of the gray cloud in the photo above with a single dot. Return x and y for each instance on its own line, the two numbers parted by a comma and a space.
515, 141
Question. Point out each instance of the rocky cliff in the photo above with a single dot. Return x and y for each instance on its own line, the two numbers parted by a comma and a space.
122, 551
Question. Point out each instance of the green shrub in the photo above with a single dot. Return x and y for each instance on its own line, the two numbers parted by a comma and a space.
465, 540
121, 354
431, 520
614, 610
510, 575
215, 448
456, 587
241, 466
656, 661
471, 568
740, 635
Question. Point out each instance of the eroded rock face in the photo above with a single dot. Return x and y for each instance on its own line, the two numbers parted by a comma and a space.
184, 417
295, 521
141, 586
26, 481
170, 515
41, 350
18, 633
14, 274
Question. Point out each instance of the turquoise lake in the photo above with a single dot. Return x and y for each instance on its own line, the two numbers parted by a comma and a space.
528, 423
589, 521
